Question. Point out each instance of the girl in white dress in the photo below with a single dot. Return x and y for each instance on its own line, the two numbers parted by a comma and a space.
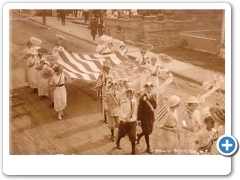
60, 93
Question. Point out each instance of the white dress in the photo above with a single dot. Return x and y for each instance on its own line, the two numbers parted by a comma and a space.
32, 72
26, 51
168, 139
60, 93
42, 82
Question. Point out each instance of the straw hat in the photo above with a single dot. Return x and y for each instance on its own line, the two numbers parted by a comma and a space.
148, 84
173, 100
35, 41
206, 112
192, 100
218, 114
130, 91
47, 72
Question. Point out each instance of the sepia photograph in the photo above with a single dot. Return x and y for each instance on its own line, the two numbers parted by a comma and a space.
116, 81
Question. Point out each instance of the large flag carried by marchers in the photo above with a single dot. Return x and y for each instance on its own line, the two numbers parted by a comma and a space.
89, 66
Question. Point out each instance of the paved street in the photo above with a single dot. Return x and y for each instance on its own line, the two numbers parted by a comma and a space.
34, 127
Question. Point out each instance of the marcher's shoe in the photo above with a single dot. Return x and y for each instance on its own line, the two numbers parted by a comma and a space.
105, 122
118, 146
112, 138
149, 151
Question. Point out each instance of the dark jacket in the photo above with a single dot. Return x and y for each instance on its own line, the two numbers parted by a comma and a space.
93, 25
145, 114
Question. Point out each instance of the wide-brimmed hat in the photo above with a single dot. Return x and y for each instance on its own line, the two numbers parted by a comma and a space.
218, 114
35, 41
174, 100
47, 72
130, 91
106, 63
206, 112
192, 100
148, 84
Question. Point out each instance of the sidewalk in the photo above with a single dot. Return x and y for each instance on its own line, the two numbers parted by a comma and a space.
179, 69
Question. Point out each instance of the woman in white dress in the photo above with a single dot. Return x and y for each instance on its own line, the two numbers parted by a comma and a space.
60, 93
170, 137
31, 71
26, 55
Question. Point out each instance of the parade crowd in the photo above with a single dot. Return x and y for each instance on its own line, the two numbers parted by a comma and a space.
127, 104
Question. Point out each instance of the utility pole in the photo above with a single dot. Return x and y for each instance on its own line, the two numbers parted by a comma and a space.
44, 17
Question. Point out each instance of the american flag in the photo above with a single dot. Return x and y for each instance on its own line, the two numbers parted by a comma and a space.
89, 67
161, 109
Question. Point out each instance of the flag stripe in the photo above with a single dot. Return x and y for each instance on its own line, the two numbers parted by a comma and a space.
76, 66
95, 66
161, 109
98, 62
84, 64
80, 75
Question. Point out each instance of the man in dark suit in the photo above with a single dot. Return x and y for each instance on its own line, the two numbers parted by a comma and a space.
93, 27
146, 107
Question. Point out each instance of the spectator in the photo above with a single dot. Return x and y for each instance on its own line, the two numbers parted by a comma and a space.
93, 27
62, 15
100, 26
86, 15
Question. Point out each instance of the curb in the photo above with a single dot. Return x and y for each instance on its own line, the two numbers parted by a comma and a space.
178, 75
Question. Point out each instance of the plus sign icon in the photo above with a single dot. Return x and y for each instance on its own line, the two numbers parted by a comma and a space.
227, 145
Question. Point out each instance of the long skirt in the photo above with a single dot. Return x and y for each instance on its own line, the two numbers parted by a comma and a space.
60, 98
42, 85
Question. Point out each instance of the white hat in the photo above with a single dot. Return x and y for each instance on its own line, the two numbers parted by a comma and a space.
192, 99
35, 41
206, 112
173, 100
